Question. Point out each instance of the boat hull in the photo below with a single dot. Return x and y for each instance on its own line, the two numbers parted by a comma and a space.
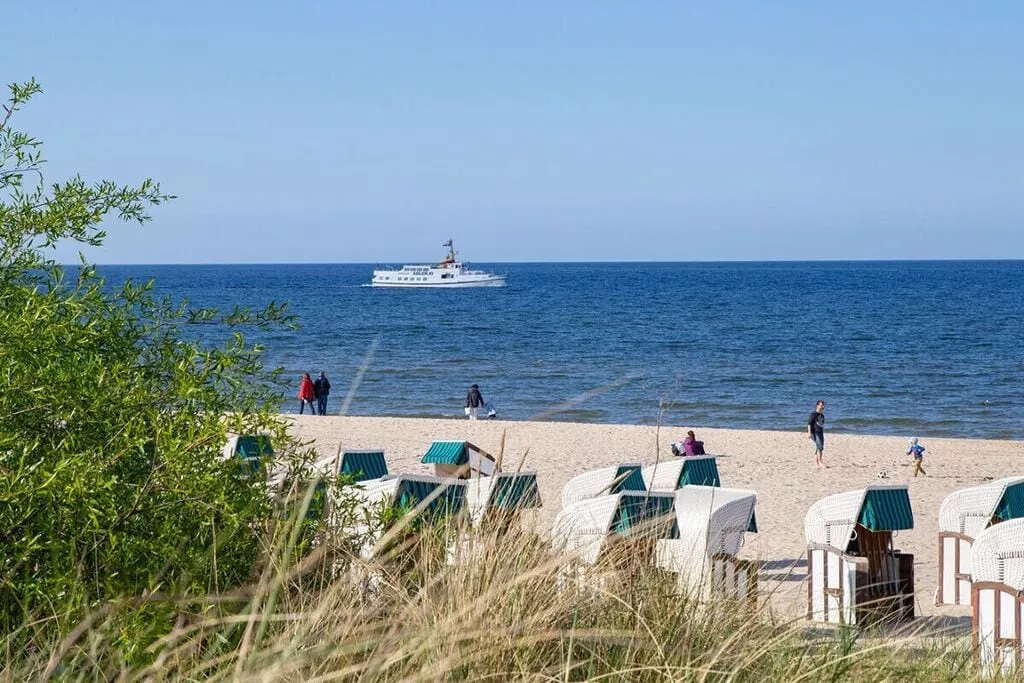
495, 281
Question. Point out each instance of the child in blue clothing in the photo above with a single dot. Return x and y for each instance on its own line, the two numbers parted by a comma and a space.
917, 450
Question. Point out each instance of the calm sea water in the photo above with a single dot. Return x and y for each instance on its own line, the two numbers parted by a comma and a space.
922, 348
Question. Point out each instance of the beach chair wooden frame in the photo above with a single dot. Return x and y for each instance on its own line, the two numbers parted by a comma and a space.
963, 515
854, 573
997, 599
997, 615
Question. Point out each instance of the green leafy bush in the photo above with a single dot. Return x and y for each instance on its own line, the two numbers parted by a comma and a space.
112, 424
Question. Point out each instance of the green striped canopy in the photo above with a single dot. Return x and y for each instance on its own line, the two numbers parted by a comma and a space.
699, 472
1011, 505
251, 448
363, 465
628, 478
645, 513
411, 492
446, 453
514, 492
886, 509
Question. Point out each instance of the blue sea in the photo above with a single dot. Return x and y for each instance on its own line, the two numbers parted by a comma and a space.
908, 348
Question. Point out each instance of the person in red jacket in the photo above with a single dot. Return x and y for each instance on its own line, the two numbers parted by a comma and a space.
306, 394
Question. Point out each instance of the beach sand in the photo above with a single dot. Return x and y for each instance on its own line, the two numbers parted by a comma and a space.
777, 465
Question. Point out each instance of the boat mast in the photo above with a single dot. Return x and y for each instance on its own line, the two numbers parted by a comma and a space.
451, 250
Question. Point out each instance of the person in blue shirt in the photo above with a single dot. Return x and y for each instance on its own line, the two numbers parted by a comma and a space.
917, 450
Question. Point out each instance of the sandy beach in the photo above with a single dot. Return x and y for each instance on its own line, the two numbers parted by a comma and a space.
777, 465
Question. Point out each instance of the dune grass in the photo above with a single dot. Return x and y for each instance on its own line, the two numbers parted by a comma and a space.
448, 602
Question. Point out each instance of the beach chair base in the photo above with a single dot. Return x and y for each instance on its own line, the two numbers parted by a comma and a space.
844, 589
954, 569
996, 628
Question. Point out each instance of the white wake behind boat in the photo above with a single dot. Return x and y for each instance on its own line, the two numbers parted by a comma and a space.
451, 272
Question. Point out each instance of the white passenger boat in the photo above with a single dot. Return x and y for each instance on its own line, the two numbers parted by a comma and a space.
451, 272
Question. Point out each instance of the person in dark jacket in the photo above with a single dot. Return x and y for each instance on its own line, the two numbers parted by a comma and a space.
306, 394
474, 401
322, 389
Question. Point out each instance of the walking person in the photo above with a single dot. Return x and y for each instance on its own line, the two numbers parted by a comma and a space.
474, 401
321, 389
306, 394
917, 450
816, 432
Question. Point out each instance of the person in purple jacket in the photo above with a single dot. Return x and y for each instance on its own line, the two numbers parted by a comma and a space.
690, 446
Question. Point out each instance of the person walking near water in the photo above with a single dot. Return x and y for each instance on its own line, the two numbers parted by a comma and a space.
917, 450
321, 389
816, 432
306, 394
474, 401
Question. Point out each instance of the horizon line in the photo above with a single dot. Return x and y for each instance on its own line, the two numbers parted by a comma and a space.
593, 261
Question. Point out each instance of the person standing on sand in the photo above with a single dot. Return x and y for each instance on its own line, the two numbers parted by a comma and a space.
306, 394
816, 432
917, 450
322, 389
474, 401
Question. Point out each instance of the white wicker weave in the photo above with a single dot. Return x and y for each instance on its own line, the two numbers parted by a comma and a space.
663, 476
229, 448
998, 554
590, 484
582, 527
711, 520
968, 511
830, 521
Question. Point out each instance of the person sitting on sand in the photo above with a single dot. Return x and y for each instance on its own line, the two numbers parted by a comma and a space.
917, 450
689, 446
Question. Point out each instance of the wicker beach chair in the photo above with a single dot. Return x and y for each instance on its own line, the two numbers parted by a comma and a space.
460, 459
963, 515
712, 523
604, 481
589, 528
669, 475
506, 494
997, 595
252, 449
855, 574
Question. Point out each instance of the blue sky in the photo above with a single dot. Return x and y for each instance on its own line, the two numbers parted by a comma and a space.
538, 131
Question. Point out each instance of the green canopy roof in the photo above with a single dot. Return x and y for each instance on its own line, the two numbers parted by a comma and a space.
446, 453
1011, 505
363, 465
251, 448
642, 512
886, 509
411, 492
699, 472
628, 478
516, 491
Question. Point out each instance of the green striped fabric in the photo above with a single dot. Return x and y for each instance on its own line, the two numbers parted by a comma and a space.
642, 513
363, 465
886, 509
515, 491
1011, 505
411, 492
628, 478
446, 453
699, 472
252, 448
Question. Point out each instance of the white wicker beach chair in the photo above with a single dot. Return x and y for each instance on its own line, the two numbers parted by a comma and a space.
508, 491
997, 593
963, 515
425, 494
584, 529
604, 481
855, 573
669, 475
711, 523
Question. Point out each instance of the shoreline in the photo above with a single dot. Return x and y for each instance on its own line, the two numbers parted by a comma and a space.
777, 465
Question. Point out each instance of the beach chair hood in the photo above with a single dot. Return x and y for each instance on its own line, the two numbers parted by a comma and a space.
970, 510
